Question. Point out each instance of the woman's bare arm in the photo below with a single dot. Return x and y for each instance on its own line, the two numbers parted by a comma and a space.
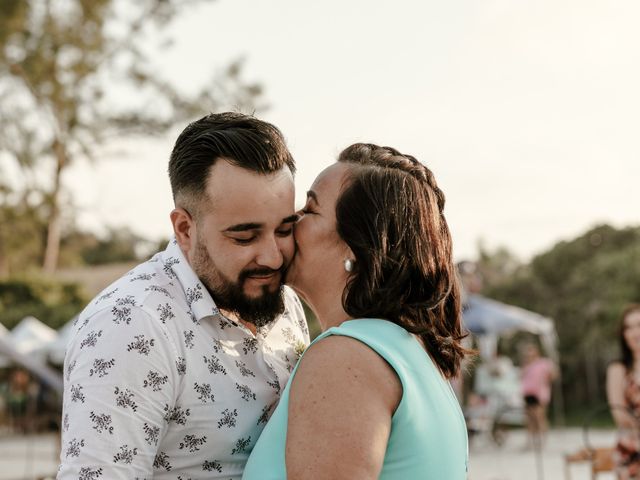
616, 384
340, 407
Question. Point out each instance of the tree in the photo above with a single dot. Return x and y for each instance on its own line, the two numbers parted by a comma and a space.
583, 284
52, 301
119, 245
64, 65
497, 265
21, 244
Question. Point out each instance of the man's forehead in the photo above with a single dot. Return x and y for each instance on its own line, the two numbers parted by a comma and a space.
224, 178
241, 197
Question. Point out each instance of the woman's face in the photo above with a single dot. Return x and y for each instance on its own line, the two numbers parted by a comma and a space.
318, 266
632, 331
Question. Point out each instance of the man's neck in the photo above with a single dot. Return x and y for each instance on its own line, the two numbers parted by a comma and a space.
234, 316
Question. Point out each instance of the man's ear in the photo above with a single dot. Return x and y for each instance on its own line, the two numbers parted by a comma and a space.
184, 228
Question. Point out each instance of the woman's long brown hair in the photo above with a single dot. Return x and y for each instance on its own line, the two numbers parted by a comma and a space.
390, 213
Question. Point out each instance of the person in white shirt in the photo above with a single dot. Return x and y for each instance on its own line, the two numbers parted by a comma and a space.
176, 367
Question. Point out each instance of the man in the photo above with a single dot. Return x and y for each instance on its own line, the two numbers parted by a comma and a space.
175, 367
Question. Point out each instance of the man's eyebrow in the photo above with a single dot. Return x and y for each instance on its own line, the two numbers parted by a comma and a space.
242, 227
313, 195
291, 218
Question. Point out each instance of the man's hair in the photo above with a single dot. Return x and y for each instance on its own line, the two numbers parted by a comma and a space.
390, 213
241, 140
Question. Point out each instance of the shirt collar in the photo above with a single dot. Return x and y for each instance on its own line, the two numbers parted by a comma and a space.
199, 300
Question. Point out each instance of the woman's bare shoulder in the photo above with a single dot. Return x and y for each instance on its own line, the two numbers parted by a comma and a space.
347, 365
616, 369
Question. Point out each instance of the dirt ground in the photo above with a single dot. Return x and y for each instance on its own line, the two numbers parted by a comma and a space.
31, 457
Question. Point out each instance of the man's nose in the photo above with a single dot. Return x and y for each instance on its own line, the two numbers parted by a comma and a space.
270, 254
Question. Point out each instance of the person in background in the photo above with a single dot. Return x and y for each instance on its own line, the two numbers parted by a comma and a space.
370, 398
537, 376
21, 399
623, 394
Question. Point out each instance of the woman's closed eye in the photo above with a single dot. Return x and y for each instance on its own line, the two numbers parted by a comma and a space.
307, 210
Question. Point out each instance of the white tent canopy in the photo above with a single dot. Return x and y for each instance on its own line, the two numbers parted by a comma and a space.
31, 335
48, 375
55, 351
489, 319
484, 315
4, 360
25, 346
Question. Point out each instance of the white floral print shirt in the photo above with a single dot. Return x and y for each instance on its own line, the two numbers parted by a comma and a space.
159, 384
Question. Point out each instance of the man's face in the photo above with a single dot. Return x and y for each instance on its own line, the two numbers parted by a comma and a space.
243, 242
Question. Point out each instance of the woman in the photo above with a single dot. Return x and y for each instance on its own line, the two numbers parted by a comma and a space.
623, 393
538, 374
370, 398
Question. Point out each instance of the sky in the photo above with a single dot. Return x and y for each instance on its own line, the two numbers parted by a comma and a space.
527, 111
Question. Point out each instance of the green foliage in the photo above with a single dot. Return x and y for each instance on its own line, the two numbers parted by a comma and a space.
23, 228
52, 302
118, 245
583, 284
496, 266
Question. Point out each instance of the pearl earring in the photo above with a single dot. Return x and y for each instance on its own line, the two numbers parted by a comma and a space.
348, 265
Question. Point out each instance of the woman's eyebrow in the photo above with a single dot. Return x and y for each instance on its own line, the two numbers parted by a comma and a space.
312, 194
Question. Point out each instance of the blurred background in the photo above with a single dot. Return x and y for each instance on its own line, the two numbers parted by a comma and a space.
527, 112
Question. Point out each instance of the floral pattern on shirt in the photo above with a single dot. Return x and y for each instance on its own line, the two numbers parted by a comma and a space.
158, 384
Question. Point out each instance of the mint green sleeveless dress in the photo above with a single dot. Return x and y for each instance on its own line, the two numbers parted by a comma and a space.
428, 438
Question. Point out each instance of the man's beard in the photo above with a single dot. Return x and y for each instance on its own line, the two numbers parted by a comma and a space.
230, 296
